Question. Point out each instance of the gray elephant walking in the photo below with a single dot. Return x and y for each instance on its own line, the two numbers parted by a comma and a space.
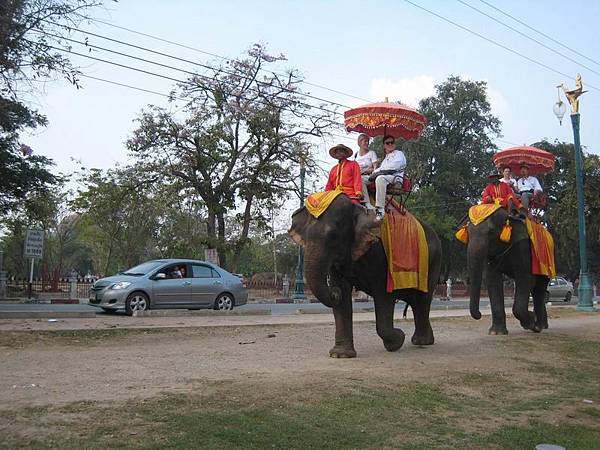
486, 253
342, 252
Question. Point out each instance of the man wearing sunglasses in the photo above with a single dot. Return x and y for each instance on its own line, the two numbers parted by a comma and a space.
391, 170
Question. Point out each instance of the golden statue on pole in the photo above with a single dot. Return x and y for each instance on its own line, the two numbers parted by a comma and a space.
573, 95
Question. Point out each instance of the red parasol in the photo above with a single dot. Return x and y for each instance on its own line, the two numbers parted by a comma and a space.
377, 119
538, 161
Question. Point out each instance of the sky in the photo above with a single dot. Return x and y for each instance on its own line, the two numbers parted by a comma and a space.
368, 49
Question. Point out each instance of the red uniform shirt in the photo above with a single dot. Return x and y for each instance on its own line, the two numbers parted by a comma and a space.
501, 191
345, 176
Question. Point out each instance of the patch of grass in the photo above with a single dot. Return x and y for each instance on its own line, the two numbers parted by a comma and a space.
538, 401
570, 436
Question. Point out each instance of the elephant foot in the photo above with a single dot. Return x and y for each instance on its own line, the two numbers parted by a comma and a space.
342, 352
533, 327
391, 345
497, 330
418, 339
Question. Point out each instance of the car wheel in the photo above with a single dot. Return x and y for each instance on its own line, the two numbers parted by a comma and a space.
546, 297
137, 301
224, 302
568, 297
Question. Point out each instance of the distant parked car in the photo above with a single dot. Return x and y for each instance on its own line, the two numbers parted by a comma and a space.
559, 289
169, 283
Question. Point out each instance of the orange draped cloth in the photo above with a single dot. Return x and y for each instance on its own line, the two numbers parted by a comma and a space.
405, 245
542, 250
500, 193
317, 203
345, 177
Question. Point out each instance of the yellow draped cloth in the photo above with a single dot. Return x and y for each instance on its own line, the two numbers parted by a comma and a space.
479, 213
317, 203
407, 252
542, 249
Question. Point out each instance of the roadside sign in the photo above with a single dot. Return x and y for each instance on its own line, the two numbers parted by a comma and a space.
34, 244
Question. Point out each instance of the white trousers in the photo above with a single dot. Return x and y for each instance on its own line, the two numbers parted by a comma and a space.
381, 186
365, 191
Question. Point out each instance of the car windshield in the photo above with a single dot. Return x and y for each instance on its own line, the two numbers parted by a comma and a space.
142, 269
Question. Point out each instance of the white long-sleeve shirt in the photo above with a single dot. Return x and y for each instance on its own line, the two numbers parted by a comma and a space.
528, 184
394, 160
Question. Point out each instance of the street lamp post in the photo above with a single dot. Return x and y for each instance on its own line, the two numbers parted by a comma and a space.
299, 295
585, 288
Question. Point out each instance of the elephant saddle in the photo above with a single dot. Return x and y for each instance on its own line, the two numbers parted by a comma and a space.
317, 203
542, 249
478, 213
407, 252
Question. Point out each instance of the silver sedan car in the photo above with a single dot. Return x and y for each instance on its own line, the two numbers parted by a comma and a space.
169, 283
559, 289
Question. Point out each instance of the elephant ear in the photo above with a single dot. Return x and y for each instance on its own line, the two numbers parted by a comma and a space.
297, 231
367, 231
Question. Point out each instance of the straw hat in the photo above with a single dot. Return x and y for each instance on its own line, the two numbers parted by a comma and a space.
347, 151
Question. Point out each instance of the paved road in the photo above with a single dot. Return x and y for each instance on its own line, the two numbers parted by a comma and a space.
276, 309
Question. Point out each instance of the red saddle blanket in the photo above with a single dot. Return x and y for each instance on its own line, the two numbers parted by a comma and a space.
542, 249
407, 252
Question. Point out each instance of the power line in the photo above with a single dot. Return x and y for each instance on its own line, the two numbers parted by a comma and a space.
204, 52
539, 32
116, 83
468, 30
527, 36
206, 66
195, 74
188, 98
304, 114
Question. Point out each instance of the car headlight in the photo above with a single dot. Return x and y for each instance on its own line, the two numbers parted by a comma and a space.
121, 285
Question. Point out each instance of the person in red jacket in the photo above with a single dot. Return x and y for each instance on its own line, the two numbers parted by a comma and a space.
501, 192
345, 175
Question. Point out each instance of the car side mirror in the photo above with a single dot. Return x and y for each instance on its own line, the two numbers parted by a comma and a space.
160, 276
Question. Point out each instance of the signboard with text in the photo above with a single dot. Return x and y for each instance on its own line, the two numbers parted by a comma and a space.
34, 244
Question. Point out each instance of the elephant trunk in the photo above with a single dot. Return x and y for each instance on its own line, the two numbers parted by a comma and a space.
476, 259
316, 268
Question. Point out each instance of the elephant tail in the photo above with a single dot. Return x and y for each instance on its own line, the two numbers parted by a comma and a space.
405, 310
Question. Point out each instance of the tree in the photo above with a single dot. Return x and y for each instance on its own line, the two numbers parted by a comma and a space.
451, 160
562, 215
236, 144
31, 33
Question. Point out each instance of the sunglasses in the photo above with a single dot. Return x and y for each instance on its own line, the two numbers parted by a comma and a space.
389, 142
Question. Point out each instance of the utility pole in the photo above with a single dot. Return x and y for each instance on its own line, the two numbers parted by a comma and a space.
299, 295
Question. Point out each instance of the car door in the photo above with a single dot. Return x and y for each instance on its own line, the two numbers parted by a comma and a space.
562, 288
172, 290
206, 284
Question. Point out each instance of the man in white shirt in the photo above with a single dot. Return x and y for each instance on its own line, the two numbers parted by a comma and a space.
391, 170
527, 186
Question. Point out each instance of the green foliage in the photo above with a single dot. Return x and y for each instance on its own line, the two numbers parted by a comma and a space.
237, 144
26, 57
562, 211
128, 217
449, 163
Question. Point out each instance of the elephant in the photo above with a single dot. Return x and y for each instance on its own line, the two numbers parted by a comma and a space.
486, 252
342, 251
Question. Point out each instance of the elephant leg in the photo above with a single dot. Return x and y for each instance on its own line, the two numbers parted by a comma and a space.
539, 307
393, 338
421, 305
344, 340
521, 305
496, 293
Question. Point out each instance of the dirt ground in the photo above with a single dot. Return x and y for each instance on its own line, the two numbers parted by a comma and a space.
60, 367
